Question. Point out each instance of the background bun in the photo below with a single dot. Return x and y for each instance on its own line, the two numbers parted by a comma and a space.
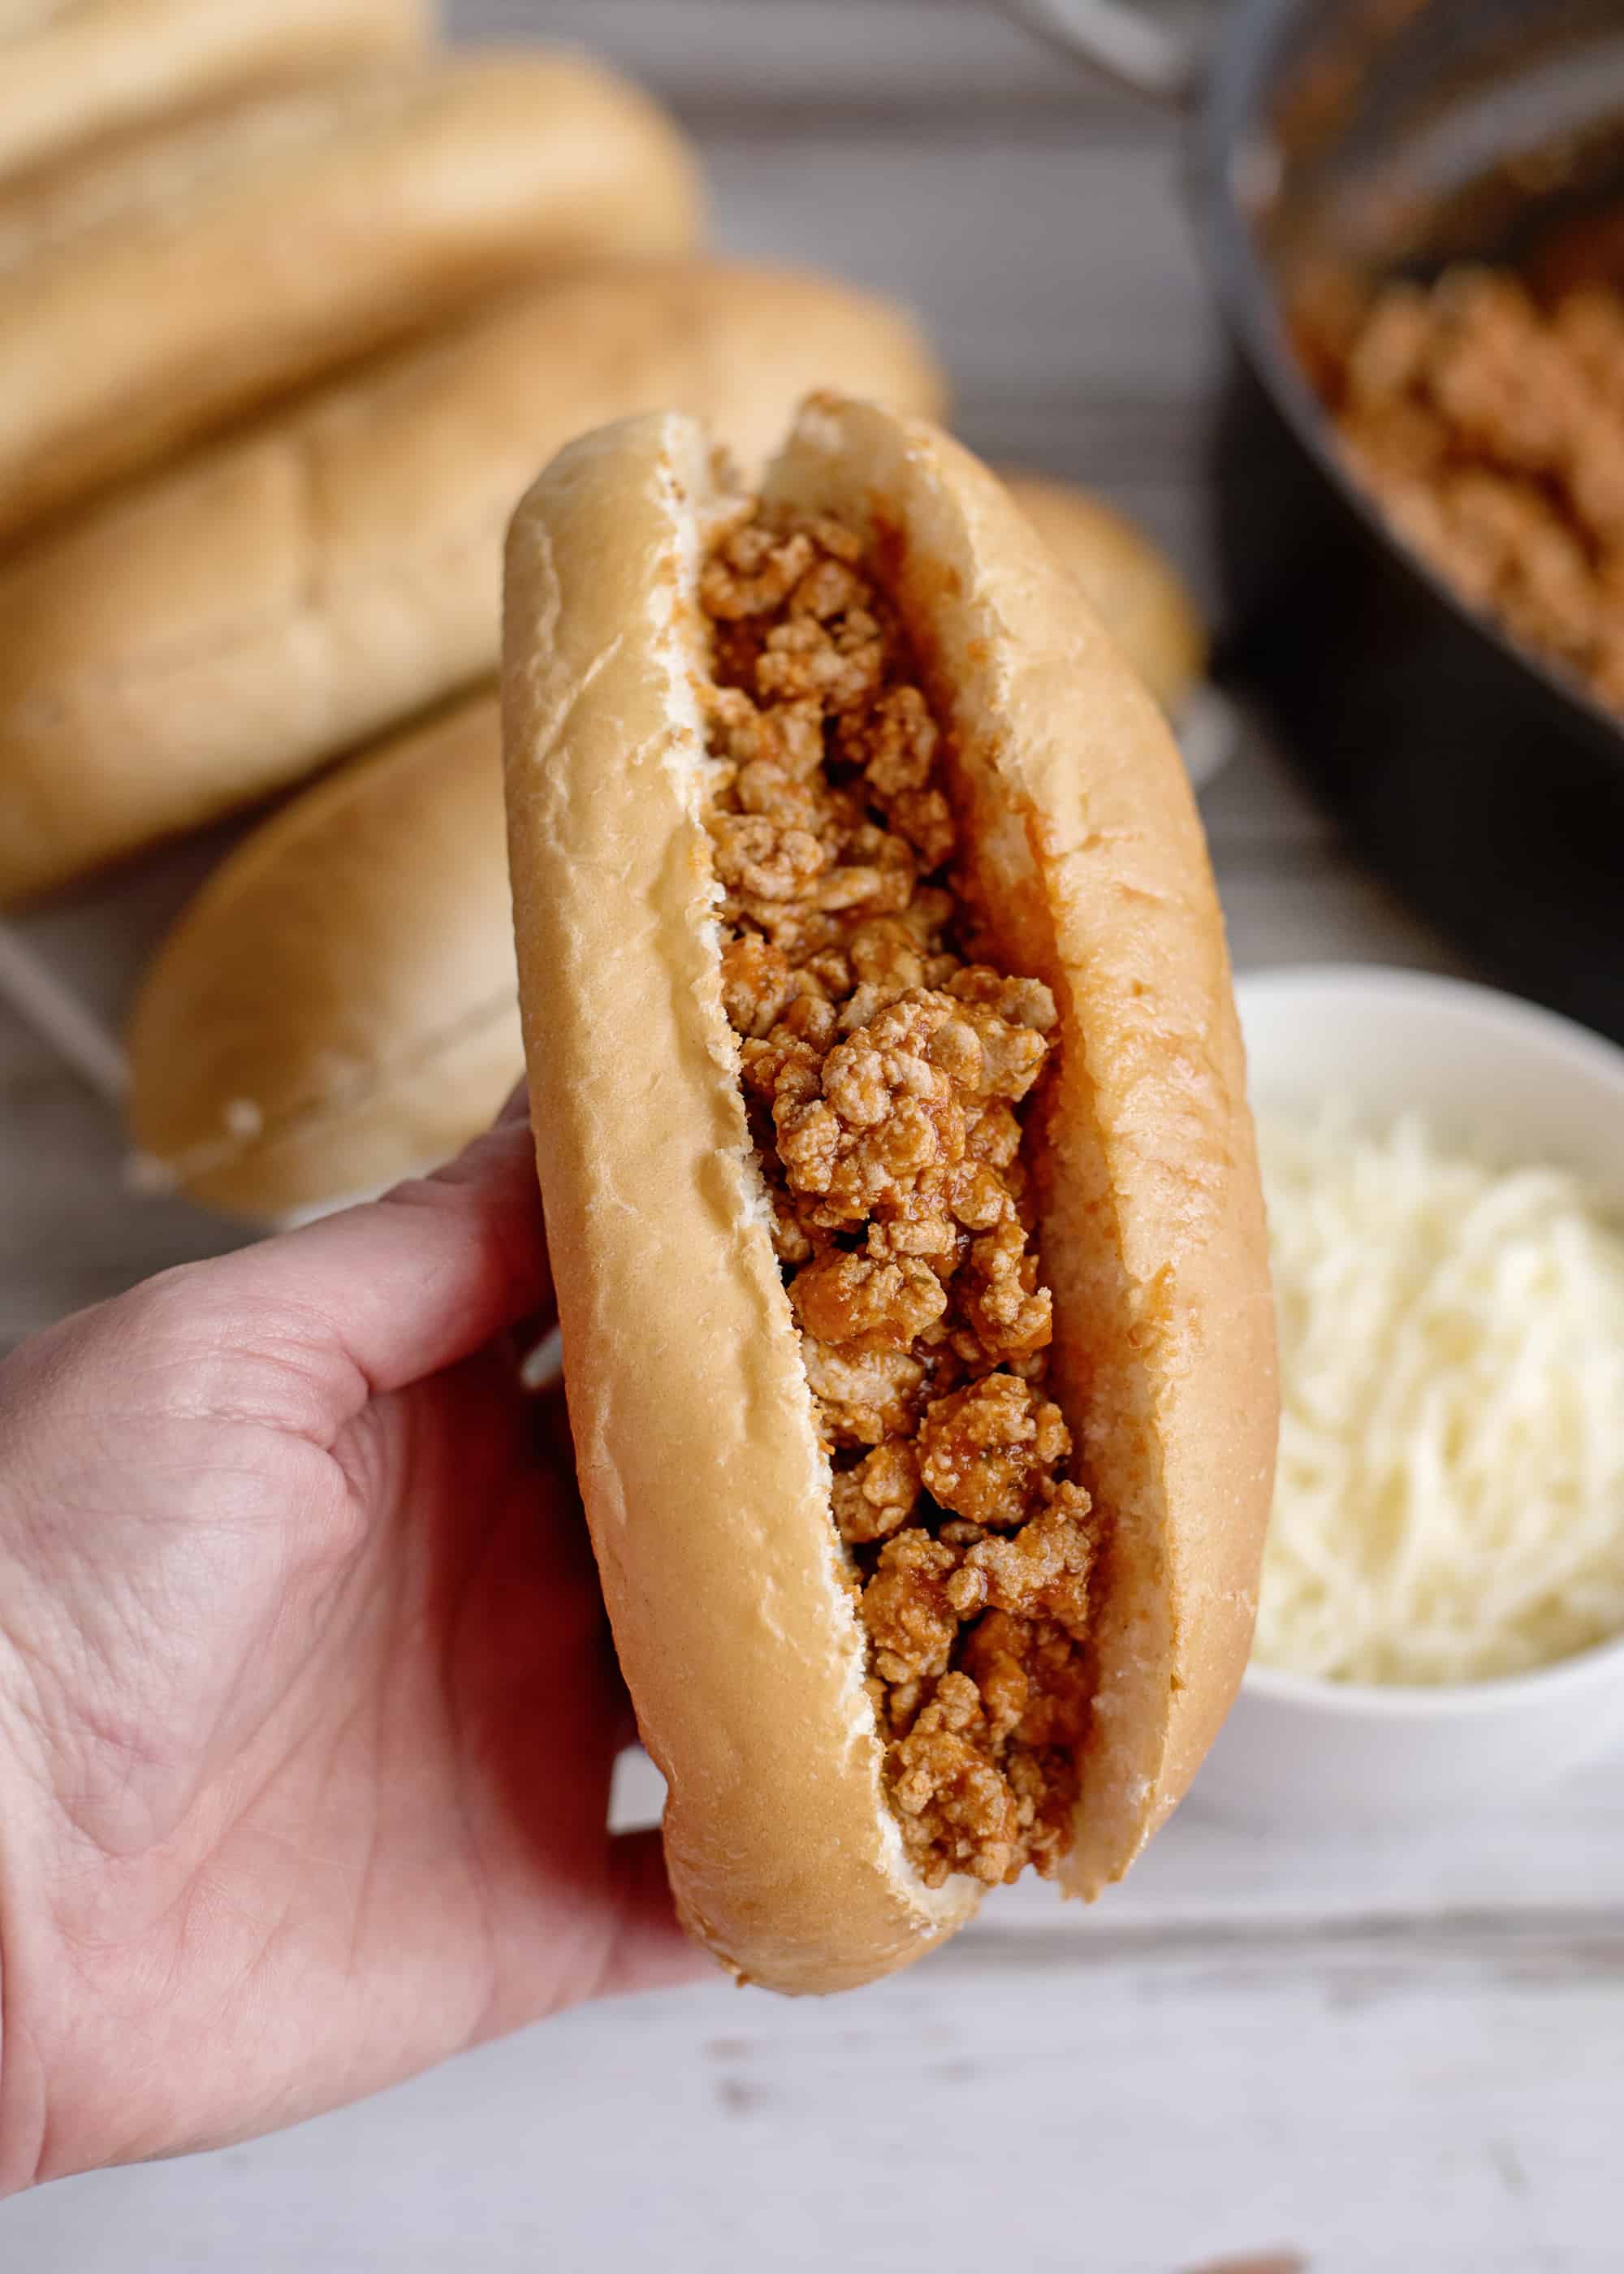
70, 76
336, 1007
463, 179
217, 631
161, 171
1131, 585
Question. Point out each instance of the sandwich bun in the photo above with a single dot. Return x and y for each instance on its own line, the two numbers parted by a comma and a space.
706, 1486
208, 636
409, 199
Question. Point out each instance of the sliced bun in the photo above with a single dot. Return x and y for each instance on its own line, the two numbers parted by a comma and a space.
215, 633
705, 1486
390, 216
336, 1008
72, 74
1131, 585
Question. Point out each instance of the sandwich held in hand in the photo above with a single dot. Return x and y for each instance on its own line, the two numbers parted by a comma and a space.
211, 635
900, 1189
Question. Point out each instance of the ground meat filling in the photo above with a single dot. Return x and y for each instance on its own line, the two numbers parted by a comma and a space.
1491, 429
885, 1073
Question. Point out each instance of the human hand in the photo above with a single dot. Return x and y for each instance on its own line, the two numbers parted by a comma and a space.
307, 1703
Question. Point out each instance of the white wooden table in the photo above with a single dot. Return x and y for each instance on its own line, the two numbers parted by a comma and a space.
1349, 2056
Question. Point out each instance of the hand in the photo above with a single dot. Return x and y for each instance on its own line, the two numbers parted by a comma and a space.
307, 1703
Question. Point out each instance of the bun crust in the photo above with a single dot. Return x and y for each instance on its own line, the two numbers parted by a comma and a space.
460, 181
705, 1489
212, 635
704, 1484
1131, 586
313, 1027
70, 76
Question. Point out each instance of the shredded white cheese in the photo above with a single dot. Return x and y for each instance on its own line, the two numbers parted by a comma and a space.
1450, 1498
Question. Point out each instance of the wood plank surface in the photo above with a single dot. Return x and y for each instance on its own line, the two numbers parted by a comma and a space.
1441, 2101
1348, 2054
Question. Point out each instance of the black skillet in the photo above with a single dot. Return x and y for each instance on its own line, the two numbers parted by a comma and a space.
1375, 138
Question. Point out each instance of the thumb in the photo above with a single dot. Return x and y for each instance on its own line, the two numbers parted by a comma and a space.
410, 1283
374, 1298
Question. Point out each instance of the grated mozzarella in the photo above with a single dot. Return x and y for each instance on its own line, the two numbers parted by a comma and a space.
1450, 1498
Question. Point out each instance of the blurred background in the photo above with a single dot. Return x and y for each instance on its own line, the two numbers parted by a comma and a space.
1035, 222
1286, 2044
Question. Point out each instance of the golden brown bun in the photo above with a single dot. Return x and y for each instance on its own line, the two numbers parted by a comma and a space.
705, 1489
74, 71
388, 218
152, 173
312, 1027
1132, 587
212, 635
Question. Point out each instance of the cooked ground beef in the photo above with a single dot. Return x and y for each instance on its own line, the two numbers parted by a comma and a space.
1492, 431
885, 1071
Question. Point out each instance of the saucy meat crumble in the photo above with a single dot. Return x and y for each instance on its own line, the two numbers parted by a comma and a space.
1490, 430
889, 1072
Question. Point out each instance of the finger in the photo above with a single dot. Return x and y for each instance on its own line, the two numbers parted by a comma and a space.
402, 1286
649, 1950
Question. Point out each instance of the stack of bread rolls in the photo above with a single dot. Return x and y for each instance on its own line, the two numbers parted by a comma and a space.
74, 75
291, 308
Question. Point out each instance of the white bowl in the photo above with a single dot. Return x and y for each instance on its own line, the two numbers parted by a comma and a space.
1482, 1067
